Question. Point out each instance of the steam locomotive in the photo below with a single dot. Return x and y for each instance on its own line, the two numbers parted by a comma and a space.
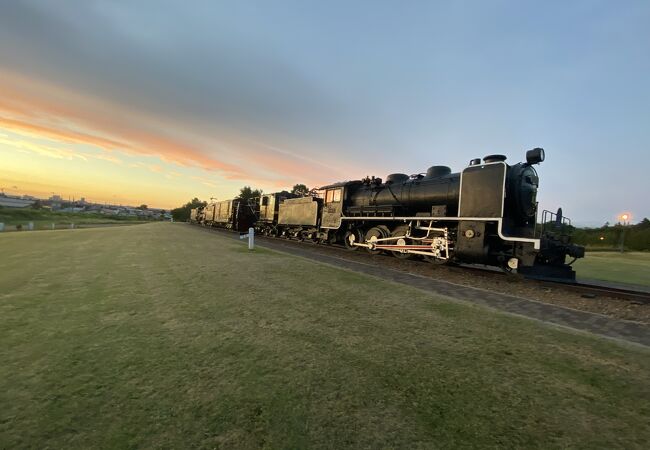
486, 214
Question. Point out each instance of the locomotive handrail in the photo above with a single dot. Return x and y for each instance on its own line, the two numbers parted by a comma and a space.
549, 218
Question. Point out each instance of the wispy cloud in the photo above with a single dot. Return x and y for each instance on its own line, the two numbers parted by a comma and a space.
44, 150
33, 108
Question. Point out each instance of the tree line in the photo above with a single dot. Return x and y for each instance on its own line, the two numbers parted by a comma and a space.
633, 237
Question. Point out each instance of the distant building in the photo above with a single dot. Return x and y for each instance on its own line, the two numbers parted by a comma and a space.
13, 201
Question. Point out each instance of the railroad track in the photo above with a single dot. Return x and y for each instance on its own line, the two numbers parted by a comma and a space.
589, 290
585, 289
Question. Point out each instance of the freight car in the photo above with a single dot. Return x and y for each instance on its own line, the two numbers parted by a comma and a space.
234, 214
485, 214
266, 210
196, 214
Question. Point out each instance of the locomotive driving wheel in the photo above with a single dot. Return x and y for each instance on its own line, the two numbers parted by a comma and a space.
401, 231
375, 233
351, 237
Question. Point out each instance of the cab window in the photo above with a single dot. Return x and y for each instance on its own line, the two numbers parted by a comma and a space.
265, 201
333, 195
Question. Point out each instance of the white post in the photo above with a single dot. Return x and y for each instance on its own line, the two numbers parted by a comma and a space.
251, 238
52, 225
2, 226
30, 226
71, 226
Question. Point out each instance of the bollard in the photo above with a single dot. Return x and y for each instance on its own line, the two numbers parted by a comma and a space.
251, 238
2, 226
30, 226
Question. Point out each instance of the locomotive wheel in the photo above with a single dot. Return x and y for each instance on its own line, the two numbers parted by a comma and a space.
401, 230
352, 236
378, 232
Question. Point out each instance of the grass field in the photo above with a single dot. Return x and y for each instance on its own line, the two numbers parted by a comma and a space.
628, 267
165, 335
44, 218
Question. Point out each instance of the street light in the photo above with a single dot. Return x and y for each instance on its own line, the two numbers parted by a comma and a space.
625, 220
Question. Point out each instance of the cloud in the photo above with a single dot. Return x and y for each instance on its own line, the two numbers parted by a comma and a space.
44, 150
33, 107
109, 82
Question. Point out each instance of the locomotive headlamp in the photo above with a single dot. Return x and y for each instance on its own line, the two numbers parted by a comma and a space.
535, 156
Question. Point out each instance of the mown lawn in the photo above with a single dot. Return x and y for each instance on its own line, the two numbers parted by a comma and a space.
44, 218
628, 267
164, 335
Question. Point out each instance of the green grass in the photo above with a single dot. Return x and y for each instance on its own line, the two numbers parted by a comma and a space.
43, 218
628, 267
164, 335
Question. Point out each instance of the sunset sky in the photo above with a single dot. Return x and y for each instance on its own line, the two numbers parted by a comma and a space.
157, 102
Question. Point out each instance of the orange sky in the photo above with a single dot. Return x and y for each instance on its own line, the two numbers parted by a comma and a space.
55, 140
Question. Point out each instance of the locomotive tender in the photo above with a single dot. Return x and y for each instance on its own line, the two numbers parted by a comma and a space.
486, 214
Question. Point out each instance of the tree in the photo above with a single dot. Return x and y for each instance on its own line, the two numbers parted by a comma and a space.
246, 193
182, 214
300, 189
143, 207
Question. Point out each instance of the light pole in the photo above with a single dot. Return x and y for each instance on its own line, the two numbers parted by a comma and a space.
625, 220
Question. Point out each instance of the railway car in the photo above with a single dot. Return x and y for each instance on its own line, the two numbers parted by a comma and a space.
266, 209
300, 218
232, 214
194, 215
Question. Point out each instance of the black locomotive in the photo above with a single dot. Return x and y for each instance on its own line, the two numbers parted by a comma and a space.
486, 214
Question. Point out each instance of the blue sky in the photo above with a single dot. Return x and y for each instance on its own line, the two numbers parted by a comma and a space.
276, 93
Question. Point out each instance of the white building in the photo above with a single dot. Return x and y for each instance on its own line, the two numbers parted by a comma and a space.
13, 201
